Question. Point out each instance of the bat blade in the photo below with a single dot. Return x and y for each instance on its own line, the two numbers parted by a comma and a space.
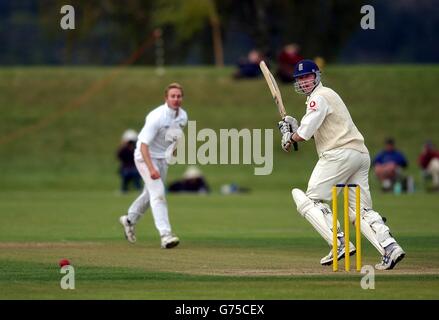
274, 89
275, 92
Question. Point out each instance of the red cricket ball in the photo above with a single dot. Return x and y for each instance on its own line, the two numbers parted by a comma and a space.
64, 262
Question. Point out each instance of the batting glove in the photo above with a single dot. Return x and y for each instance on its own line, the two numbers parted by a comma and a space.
288, 124
286, 141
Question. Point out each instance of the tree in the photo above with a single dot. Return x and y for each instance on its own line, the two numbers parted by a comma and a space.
188, 18
105, 32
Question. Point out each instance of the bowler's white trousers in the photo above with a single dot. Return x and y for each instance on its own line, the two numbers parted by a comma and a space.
153, 195
349, 166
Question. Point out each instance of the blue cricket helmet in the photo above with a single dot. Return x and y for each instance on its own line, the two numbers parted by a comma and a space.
303, 68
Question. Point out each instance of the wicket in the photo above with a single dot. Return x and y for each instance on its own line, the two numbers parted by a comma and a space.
346, 225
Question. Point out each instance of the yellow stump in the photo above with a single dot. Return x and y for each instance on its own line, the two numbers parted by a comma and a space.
358, 227
347, 262
334, 229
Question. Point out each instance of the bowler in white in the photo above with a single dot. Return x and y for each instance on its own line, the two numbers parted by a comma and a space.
157, 142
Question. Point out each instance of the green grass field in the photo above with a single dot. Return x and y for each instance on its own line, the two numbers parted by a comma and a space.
58, 196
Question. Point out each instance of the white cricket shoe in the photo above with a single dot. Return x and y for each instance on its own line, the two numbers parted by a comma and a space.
328, 260
128, 229
391, 258
169, 241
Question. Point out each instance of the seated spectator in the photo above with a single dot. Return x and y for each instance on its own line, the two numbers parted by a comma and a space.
193, 181
429, 162
127, 170
249, 67
388, 165
286, 62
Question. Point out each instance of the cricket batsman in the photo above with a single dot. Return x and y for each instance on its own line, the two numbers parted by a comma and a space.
156, 143
343, 159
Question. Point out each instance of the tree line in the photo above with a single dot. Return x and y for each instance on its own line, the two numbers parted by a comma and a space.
108, 30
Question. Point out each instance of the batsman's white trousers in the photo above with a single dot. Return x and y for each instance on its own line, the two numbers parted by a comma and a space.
350, 166
340, 166
153, 195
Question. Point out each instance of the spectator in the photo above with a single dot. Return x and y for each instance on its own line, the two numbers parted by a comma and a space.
388, 165
127, 170
287, 60
429, 162
249, 67
193, 181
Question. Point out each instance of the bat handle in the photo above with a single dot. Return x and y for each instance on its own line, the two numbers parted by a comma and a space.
295, 145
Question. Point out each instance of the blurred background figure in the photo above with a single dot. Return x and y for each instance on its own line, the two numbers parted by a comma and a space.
127, 169
232, 188
428, 160
388, 166
286, 61
249, 67
192, 181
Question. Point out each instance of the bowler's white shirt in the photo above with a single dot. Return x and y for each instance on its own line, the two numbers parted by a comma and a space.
163, 126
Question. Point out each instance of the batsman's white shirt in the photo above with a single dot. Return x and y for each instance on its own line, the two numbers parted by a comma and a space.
328, 120
163, 126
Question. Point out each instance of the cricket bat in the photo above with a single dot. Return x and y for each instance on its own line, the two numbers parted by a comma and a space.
275, 92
